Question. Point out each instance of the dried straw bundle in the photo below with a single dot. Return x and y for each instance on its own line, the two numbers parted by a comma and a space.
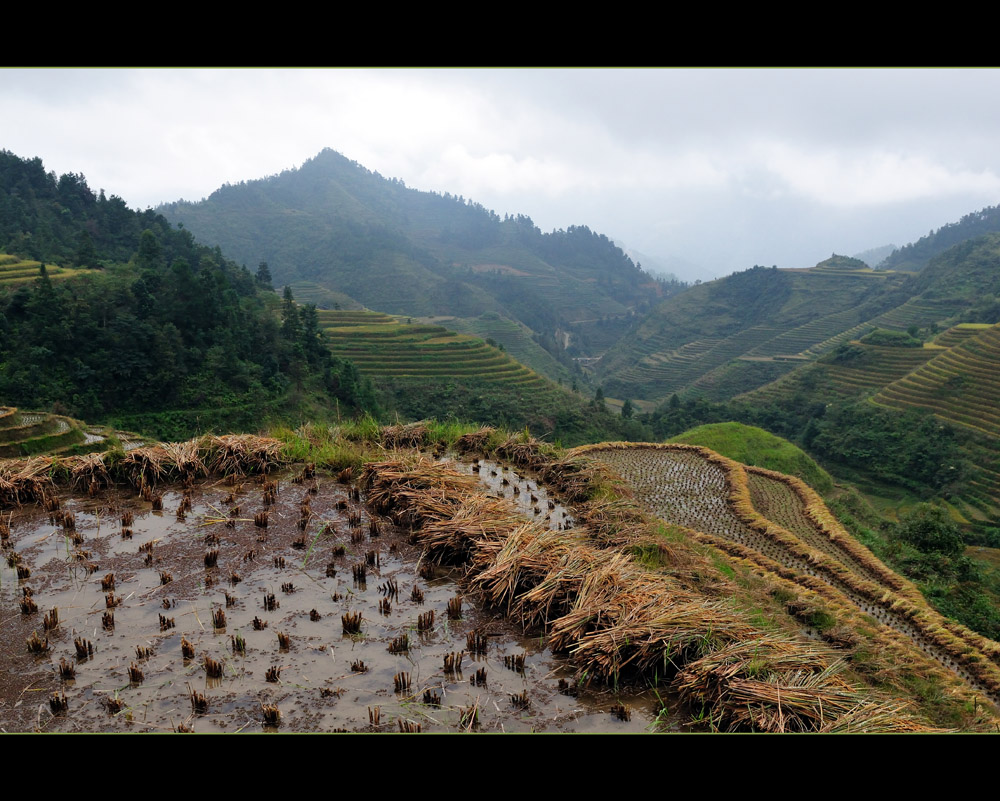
146, 465
415, 490
478, 522
613, 522
241, 454
25, 481
506, 569
574, 476
524, 451
88, 469
413, 435
185, 458
474, 441
801, 693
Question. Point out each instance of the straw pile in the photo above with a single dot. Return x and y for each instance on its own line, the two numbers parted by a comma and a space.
30, 480
574, 476
89, 470
475, 441
413, 435
240, 454
145, 466
185, 458
25, 481
797, 696
525, 451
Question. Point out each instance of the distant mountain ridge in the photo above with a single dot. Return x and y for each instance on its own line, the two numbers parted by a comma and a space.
916, 255
402, 251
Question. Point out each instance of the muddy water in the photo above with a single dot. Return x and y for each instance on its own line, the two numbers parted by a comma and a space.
326, 680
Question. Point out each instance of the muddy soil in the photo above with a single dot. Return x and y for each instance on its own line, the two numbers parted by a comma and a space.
268, 616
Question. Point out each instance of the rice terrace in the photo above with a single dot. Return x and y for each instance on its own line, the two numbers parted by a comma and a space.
424, 578
323, 452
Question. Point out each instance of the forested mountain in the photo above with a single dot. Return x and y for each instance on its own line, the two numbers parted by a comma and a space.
402, 251
916, 255
166, 325
169, 337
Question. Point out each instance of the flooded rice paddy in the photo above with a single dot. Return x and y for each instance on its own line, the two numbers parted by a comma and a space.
202, 615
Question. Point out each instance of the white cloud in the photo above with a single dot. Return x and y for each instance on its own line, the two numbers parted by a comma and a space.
850, 178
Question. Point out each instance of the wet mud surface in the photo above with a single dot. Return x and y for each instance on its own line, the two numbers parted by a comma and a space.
211, 591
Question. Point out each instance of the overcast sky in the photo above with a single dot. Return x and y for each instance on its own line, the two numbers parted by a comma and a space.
720, 168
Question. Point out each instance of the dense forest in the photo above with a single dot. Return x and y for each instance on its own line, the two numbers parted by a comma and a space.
164, 325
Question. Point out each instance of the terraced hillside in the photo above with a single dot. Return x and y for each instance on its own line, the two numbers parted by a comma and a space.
321, 297
515, 338
961, 384
780, 527
379, 345
772, 319
30, 433
731, 336
859, 368
935, 377
15, 271
855, 368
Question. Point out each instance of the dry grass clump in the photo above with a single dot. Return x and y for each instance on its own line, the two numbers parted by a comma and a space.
415, 490
575, 477
186, 458
449, 538
799, 691
89, 470
145, 466
613, 522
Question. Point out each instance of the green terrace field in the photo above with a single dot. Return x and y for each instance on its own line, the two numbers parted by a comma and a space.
381, 346
31, 433
515, 338
957, 377
655, 363
874, 367
14, 271
857, 368
321, 297
961, 384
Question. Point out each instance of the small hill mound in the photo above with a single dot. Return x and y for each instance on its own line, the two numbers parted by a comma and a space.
841, 263
758, 448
